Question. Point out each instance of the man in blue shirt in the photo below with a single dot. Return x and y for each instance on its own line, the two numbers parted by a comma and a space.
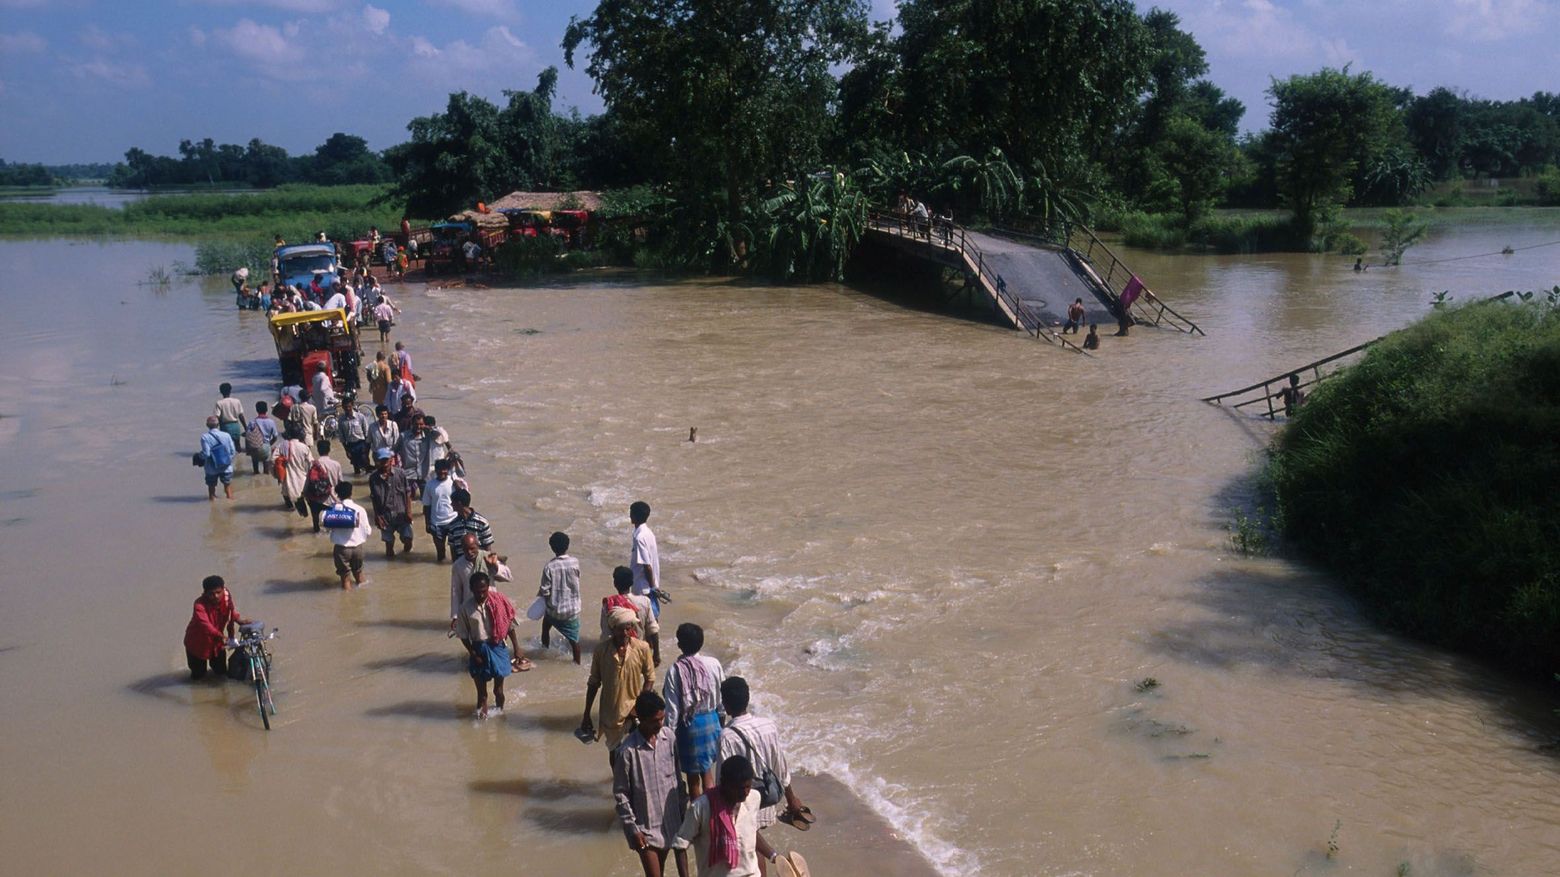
216, 449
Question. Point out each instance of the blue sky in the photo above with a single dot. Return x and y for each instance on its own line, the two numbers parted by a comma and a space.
84, 80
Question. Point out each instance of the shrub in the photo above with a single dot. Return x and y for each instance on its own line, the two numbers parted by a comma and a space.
225, 257
1423, 476
529, 257
1547, 187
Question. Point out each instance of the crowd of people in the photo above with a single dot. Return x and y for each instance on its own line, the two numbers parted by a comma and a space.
691, 766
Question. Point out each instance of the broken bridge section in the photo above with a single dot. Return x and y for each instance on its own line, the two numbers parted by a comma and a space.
1030, 280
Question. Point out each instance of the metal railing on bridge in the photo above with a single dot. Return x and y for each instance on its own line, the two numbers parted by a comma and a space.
1269, 395
955, 238
1082, 242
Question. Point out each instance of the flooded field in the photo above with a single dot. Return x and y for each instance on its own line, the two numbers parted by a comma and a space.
945, 555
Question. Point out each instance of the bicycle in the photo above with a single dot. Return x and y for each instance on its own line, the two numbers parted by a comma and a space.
250, 646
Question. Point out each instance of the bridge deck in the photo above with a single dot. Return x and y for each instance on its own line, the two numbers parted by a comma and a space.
1042, 278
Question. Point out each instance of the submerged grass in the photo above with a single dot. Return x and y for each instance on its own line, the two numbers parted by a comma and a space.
295, 212
1424, 476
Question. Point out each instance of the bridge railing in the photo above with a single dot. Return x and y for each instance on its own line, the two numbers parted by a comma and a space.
1316, 375
954, 237
1115, 277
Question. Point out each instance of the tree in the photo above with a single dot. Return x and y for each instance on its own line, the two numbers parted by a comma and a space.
1046, 81
1326, 127
720, 96
345, 158
1402, 232
266, 166
1435, 127
1198, 161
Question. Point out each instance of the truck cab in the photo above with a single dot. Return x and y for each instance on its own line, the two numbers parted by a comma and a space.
299, 264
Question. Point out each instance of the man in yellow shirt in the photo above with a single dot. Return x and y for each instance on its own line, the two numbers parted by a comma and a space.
620, 669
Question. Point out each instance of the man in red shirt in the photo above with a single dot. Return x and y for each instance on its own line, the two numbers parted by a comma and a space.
213, 622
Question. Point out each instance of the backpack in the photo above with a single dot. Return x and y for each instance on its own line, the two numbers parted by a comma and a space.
221, 457
254, 439
317, 486
770, 792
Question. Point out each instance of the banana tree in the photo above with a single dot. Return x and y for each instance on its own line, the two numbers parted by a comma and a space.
809, 227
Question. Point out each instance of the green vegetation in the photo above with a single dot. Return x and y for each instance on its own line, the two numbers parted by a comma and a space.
727, 113
341, 160
1249, 533
26, 176
1423, 476
1403, 231
295, 212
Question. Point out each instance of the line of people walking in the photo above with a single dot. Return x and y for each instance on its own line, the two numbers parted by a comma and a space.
692, 767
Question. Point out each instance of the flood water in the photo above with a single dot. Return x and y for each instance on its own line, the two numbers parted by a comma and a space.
944, 555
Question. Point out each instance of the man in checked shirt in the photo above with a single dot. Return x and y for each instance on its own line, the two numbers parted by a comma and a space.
560, 592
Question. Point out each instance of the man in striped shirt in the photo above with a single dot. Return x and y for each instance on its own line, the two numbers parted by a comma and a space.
467, 521
560, 593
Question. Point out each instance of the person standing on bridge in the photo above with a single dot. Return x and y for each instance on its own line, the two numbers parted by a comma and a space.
1075, 318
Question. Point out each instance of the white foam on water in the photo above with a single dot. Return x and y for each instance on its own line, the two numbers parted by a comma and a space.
609, 496
908, 814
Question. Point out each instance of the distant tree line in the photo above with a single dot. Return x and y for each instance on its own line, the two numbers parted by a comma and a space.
25, 175
1035, 109
340, 160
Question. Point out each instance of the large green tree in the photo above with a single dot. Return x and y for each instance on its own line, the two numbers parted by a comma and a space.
722, 97
1048, 82
474, 151
1327, 127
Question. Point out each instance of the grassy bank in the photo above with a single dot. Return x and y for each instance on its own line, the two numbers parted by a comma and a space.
1272, 231
295, 212
1424, 477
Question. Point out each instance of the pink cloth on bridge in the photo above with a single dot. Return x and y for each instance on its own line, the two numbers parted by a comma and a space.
1130, 293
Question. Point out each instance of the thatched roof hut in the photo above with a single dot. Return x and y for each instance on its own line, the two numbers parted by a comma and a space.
548, 201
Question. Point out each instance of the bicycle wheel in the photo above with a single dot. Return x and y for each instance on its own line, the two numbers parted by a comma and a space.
262, 690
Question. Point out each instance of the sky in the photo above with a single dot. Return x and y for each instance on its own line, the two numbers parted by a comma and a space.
85, 80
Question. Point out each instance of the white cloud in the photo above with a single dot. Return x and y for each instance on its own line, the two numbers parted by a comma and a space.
269, 49
1252, 28
500, 9
94, 37
22, 43
376, 19
285, 5
457, 64
101, 72
197, 37
1489, 20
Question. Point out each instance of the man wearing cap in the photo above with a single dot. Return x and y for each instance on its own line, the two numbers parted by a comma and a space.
620, 669
438, 509
391, 494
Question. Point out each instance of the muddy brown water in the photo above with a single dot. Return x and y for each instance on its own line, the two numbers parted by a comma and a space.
945, 556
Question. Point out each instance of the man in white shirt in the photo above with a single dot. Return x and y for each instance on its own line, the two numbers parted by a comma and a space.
644, 558
723, 854
347, 542
438, 510
758, 739
324, 394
